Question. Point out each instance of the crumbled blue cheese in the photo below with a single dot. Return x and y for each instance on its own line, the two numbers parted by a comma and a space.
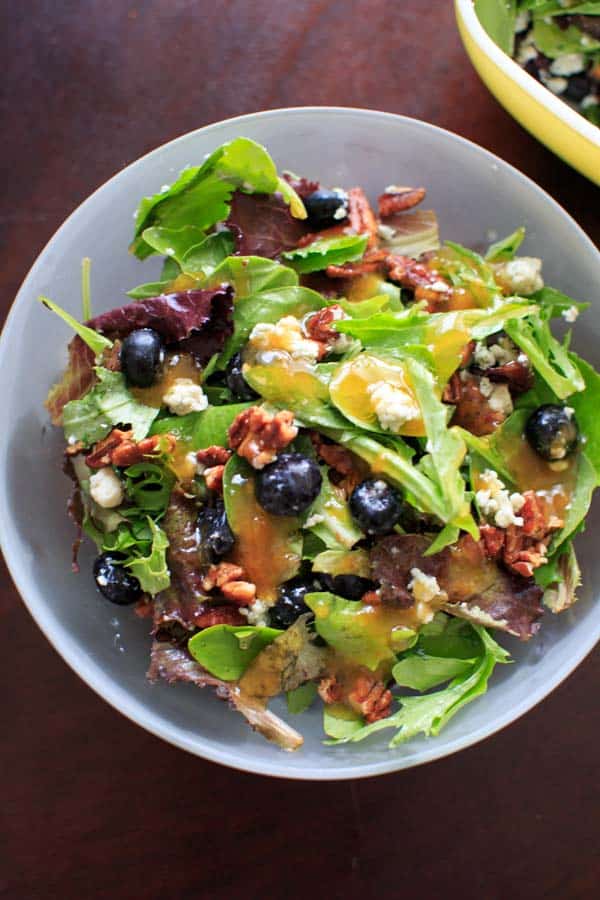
424, 589
106, 488
184, 396
313, 520
522, 275
570, 314
497, 396
522, 21
526, 52
495, 502
555, 84
589, 100
568, 64
498, 354
285, 335
341, 212
393, 405
256, 613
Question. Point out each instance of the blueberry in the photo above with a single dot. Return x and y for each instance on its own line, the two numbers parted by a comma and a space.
375, 506
326, 208
351, 587
578, 87
289, 485
114, 581
215, 533
552, 431
236, 382
290, 603
141, 355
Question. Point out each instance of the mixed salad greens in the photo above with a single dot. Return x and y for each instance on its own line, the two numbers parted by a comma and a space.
555, 41
325, 455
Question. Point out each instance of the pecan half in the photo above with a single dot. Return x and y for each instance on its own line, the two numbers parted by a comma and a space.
258, 435
399, 199
130, 452
371, 698
372, 261
361, 216
101, 454
231, 581
330, 690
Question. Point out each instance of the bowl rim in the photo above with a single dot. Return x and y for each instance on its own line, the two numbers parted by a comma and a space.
92, 673
513, 70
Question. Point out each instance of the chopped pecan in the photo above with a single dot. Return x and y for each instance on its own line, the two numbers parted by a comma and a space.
492, 539
111, 358
371, 698
224, 614
517, 373
473, 411
399, 199
426, 283
240, 592
101, 454
258, 435
522, 548
213, 456
348, 470
74, 449
330, 690
372, 261
361, 216
318, 326
130, 452
214, 478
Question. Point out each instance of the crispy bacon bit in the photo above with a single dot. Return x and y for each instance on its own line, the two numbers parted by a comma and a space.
361, 216
473, 411
330, 690
213, 456
129, 452
231, 580
258, 435
318, 326
399, 199
224, 614
372, 261
371, 698
101, 454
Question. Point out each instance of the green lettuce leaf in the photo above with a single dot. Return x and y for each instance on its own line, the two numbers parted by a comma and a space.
323, 252
151, 571
498, 18
149, 486
554, 302
333, 522
226, 651
96, 342
343, 625
200, 197
554, 41
505, 249
549, 358
585, 405
107, 404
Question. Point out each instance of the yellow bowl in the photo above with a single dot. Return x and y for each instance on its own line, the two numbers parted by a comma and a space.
548, 118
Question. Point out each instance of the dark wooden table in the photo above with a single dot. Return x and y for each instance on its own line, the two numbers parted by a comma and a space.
93, 807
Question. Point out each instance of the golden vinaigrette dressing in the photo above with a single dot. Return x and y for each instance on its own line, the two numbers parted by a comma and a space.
262, 545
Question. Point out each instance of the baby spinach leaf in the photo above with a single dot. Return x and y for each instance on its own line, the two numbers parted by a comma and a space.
226, 651
205, 257
301, 698
421, 672
325, 252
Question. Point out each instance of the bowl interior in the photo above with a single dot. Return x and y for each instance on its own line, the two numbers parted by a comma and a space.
477, 198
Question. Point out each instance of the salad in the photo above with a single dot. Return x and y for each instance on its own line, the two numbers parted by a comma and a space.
325, 456
555, 41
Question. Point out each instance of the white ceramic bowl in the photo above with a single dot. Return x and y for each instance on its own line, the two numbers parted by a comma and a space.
474, 193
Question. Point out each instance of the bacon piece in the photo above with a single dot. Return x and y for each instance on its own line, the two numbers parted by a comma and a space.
400, 199
213, 456
258, 435
361, 216
348, 469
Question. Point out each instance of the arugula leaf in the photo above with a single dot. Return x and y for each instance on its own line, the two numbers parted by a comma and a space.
498, 18
554, 41
505, 249
549, 358
151, 571
301, 698
226, 651
201, 195
96, 342
429, 713
107, 404
333, 522
343, 624
323, 252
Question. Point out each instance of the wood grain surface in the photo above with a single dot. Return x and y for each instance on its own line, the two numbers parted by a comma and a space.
92, 806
